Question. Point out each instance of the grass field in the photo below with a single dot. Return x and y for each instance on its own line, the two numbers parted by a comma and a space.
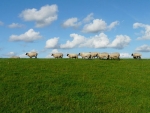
74, 86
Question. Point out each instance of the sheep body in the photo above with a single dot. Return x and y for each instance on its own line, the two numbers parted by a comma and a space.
93, 54
73, 56
15, 57
136, 55
57, 55
114, 56
103, 55
32, 54
85, 55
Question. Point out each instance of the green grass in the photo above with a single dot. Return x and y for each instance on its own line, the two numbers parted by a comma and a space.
74, 86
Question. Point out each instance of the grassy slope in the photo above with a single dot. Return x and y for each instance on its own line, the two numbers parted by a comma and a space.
69, 85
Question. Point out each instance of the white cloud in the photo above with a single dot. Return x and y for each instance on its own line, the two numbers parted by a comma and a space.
88, 18
146, 33
77, 39
120, 41
125, 55
53, 51
143, 48
137, 25
112, 25
43, 17
33, 50
15, 25
10, 54
1, 23
98, 25
97, 41
52, 43
28, 36
71, 22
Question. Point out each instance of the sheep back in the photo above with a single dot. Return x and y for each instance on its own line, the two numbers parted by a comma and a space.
103, 55
57, 55
32, 54
94, 54
15, 57
73, 56
136, 55
115, 55
85, 55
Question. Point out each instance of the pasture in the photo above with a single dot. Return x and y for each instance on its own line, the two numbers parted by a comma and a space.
74, 86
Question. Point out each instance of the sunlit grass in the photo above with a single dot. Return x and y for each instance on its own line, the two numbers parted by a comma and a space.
74, 86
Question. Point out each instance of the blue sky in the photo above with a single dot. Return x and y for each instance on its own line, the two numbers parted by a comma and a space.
74, 26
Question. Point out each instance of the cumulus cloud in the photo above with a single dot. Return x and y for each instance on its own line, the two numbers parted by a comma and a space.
112, 25
88, 18
77, 40
98, 25
120, 41
15, 25
10, 54
52, 43
71, 22
53, 51
137, 25
146, 33
28, 36
43, 17
33, 50
97, 41
143, 48
1, 23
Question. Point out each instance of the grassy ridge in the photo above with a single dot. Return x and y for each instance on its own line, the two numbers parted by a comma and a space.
69, 85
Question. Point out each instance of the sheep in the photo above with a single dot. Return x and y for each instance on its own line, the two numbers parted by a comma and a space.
15, 57
114, 56
32, 54
73, 56
103, 55
93, 54
136, 55
85, 55
57, 55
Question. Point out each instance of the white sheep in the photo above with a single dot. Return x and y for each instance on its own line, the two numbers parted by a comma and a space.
32, 54
85, 55
15, 57
103, 55
57, 55
114, 56
136, 55
73, 56
93, 54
